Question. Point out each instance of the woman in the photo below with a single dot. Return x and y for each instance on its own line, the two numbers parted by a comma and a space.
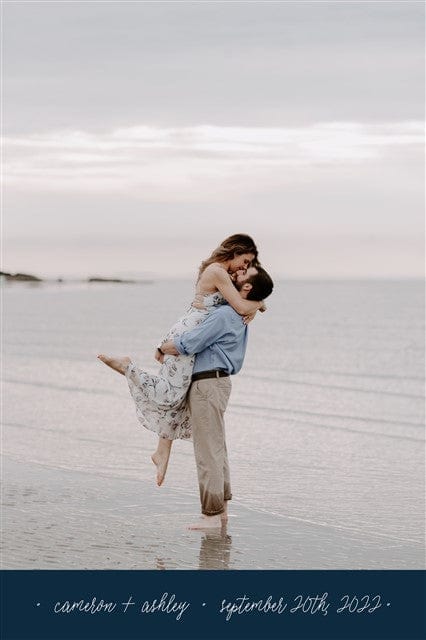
160, 399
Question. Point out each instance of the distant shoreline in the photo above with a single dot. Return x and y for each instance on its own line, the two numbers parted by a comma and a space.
32, 279
26, 277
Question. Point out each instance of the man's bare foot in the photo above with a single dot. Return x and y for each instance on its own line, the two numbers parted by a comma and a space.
208, 522
161, 460
118, 364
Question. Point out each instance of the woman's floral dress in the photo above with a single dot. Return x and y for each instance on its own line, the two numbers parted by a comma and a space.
160, 399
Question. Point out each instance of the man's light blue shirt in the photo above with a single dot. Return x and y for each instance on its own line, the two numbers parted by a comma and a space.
219, 341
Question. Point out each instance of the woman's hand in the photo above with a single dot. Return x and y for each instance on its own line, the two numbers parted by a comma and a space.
249, 317
159, 356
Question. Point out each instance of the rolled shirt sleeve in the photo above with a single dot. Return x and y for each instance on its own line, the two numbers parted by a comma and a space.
202, 336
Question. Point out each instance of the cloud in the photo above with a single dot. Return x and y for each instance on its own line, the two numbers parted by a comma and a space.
153, 160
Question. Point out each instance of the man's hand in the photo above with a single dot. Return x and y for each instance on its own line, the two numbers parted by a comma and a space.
169, 349
159, 356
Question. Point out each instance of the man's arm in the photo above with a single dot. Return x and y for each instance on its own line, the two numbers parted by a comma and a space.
202, 336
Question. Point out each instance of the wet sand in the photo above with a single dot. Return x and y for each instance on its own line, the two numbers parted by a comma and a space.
60, 519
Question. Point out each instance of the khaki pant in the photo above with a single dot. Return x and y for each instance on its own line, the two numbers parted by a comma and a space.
207, 401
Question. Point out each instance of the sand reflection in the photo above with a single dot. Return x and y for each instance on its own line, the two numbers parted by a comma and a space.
215, 550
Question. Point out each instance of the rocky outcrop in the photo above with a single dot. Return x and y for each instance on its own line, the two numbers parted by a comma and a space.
20, 277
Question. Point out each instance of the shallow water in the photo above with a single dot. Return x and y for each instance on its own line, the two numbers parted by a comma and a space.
325, 425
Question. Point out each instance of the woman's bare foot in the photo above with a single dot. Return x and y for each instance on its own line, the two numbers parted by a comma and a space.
118, 364
161, 463
208, 522
161, 458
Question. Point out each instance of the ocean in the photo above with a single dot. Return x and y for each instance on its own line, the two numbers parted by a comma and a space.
325, 431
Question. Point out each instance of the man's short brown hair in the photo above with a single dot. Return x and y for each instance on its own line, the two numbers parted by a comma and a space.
261, 283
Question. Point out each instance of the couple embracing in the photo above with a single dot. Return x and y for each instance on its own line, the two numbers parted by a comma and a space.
189, 396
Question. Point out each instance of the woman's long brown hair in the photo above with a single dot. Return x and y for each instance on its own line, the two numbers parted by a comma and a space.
233, 246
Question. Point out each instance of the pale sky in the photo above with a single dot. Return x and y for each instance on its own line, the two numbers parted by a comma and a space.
138, 135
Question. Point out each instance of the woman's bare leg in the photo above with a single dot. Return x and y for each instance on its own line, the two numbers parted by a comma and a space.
162, 454
161, 458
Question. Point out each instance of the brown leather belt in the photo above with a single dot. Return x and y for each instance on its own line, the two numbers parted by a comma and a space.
214, 373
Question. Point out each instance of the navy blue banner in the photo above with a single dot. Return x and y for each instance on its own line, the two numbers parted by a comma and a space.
160, 605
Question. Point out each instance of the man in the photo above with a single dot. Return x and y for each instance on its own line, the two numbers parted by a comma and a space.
219, 343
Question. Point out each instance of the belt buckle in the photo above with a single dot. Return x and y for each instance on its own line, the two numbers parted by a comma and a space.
217, 373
